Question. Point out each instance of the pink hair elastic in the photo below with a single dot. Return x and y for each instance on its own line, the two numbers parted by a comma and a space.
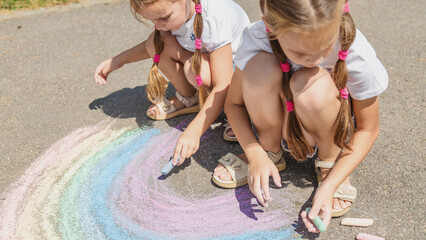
198, 8
346, 8
155, 27
198, 43
290, 106
157, 58
344, 92
199, 80
285, 67
343, 55
267, 30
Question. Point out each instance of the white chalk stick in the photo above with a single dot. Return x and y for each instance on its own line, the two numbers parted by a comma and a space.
358, 222
365, 236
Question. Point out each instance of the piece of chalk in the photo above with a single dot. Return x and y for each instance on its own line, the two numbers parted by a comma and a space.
365, 236
168, 167
317, 221
357, 222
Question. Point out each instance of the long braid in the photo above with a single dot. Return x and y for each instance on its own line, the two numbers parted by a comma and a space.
297, 143
157, 84
343, 125
197, 57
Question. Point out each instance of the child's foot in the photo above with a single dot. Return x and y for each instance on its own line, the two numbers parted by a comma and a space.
174, 107
337, 203
153, 109
221, 172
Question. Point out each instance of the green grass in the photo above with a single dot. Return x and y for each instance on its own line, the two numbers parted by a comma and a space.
19, 4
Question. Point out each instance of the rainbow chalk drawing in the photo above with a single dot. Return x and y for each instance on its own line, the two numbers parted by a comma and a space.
100, 183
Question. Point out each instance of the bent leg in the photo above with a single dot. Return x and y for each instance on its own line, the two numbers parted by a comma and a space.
171, 65
317, 105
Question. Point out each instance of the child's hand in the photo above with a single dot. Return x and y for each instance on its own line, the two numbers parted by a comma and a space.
187, 144
104, 69
260, 168
321, 206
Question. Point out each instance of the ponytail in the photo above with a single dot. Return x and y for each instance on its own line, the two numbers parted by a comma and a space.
197, 57
157, 84
343, 125
297, 143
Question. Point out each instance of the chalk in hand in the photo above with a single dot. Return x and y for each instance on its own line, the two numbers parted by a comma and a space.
317, 221
357, 222
168, 167
365, 236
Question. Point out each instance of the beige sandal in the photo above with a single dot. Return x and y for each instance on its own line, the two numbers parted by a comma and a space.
238, 169
225, 133
168, 110
343, 192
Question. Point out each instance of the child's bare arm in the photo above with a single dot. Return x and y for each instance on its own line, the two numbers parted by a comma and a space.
134, 54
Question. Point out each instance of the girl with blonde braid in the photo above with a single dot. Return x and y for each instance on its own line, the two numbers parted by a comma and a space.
301, 73
193, 45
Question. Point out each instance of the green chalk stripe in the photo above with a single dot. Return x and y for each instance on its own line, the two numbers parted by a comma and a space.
317, 221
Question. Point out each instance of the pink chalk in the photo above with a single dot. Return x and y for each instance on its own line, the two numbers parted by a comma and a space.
365, 236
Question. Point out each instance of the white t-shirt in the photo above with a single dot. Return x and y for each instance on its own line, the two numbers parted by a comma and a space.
223, 23
367, 75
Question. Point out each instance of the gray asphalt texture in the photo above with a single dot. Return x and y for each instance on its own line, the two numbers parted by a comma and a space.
47, 63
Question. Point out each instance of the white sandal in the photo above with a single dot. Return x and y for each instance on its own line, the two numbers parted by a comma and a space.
238, 169
343, 192
168, 110
225, 135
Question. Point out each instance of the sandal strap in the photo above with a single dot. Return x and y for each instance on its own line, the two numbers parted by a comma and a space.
236, 167
187, 101
324, 164
346, 192
165, 106
275, 157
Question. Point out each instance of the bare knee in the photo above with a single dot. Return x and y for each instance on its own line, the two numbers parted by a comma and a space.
313, 89
262, 75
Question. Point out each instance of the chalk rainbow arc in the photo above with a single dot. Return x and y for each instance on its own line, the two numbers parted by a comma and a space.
99, 183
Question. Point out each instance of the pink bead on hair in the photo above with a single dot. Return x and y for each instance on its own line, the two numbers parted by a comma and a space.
343, 55
198, 8
198, 43
199, 80
285, 67
346, 8
157, 58
344, 93
290, 106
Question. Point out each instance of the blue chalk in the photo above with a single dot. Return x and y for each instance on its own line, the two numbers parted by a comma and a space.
317, 221
168, 167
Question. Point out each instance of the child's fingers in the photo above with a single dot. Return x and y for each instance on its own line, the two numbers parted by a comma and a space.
177, 154
276, 177
257, 192
183, 155
265, 188
308, 223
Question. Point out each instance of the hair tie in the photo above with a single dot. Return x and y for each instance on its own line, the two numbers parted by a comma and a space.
290, 106
157, 58
344, 93
155, 27
199, 80
285, 67
343, 55
198, 8
198, 43
267, 30
346, 8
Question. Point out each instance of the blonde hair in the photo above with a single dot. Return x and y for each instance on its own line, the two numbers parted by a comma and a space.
157, 84
311, 15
